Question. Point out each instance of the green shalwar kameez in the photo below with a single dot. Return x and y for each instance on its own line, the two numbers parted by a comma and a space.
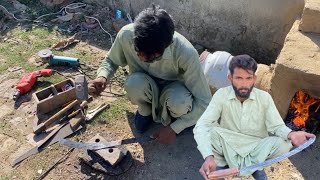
241, 134
172, 89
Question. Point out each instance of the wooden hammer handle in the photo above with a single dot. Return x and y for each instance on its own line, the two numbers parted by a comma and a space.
49, 121
223, 173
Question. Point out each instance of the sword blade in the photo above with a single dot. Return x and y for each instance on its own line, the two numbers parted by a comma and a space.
279, 158
234, 171
96, 146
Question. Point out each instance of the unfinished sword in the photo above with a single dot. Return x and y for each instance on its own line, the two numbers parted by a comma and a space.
235, 171
97, 146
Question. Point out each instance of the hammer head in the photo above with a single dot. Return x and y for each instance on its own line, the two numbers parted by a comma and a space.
81, 87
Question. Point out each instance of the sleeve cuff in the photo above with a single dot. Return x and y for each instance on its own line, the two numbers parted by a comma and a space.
205, 153
176, 127
104, 74
285, 132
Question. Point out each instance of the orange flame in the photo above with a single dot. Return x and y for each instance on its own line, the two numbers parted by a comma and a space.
300, 104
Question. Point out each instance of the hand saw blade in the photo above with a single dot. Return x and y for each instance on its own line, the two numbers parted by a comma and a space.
40, 145
96, 146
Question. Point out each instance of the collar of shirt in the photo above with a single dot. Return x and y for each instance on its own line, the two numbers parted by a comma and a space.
167, 54
232, 94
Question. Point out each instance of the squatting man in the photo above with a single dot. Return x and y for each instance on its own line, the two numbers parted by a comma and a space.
166, 80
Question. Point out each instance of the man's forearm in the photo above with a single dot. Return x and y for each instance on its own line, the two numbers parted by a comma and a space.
283, 131
107, 68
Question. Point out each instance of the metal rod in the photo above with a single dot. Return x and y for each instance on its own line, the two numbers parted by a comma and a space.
54, 165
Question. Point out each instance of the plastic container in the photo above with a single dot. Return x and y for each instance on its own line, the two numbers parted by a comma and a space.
119, 14
216, 68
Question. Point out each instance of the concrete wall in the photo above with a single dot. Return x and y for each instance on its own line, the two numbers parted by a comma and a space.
255, 27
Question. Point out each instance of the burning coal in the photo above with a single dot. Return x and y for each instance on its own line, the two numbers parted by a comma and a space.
304, 113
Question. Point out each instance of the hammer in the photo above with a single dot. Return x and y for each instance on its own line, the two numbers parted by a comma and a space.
81, 89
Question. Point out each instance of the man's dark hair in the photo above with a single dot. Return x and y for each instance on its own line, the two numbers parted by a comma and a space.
244, 62
153, 31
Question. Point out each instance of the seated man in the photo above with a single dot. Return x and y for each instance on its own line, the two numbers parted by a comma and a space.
166, 80
234, 130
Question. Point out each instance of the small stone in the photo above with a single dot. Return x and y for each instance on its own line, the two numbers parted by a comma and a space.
272, 169
39, 171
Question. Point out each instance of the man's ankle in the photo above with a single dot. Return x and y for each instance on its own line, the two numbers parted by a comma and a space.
142, 122
260, 175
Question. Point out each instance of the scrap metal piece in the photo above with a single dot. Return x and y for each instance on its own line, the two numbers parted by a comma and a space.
111, 161
64, 132
112, 155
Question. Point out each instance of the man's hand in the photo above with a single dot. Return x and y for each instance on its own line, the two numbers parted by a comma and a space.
299, 137
97, 85
208, 166
165, 135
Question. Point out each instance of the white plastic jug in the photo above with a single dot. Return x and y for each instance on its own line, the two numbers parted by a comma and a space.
216, 68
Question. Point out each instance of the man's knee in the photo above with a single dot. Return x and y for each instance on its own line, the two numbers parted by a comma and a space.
179, 101
217, 148
136, 82
280, 147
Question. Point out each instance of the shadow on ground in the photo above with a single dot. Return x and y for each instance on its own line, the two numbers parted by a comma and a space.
180, 160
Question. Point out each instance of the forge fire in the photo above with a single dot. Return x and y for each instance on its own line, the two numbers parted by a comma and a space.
304, 113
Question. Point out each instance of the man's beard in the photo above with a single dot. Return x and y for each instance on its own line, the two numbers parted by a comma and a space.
242, 94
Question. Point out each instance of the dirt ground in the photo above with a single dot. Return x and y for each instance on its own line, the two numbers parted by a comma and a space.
151, 160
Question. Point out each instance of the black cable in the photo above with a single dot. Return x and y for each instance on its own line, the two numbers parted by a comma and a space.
64, 157
55, 71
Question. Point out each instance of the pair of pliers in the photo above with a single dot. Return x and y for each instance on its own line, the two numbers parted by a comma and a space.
90, 114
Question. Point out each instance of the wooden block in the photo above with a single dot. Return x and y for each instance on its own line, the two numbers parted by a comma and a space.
54, 96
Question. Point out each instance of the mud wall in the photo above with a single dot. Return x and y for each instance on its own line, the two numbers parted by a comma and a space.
255, 27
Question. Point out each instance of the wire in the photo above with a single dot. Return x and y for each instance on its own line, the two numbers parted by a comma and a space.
90, 17
12, 15
82, 71
111, 39
70, 6
60, 73
61, 159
